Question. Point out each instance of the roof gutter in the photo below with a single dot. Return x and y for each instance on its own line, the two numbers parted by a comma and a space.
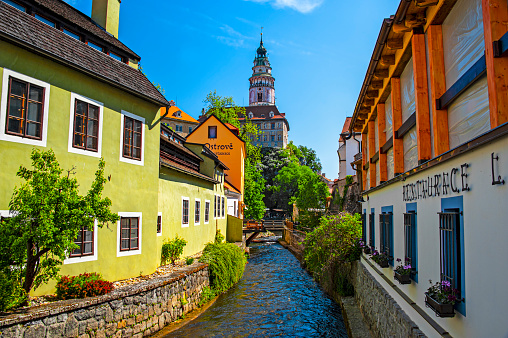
376, 55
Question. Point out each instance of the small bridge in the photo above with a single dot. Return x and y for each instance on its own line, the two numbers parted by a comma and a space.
254, 228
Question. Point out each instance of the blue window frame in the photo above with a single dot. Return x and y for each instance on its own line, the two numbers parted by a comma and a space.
451, 237
115, 56
71, 34
93, 45
15, 5
364, 226
372, 234
386, 232
46, 21
410, 239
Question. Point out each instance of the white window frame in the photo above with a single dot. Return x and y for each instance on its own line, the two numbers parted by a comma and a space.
159, 214
3, 109
223, 211
74, 150
181, 215
194, 213
90, 258
143, 132
118, 230
204, 219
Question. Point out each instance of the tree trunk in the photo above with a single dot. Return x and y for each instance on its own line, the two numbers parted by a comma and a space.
30, 271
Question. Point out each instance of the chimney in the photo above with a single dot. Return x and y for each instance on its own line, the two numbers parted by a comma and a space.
107, 14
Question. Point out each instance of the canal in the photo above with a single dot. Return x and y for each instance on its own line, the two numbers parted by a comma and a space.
274, 298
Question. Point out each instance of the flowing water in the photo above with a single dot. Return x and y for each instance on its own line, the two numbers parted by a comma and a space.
274, 298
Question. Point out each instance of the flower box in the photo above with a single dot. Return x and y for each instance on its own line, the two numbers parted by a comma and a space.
403, 279
366, 250
383, 263
441, 310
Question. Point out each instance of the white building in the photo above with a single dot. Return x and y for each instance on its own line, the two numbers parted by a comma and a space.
433, 113
349, 146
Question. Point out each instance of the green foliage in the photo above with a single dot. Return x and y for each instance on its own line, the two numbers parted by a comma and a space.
11, 292
344, 286
309, 158
206, 295
48, 212
336, 240
253, 193
82, 286
219, 237
226, 263
341, 199
172, 249
189, 260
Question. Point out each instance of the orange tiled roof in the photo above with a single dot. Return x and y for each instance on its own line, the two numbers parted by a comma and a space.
172, 114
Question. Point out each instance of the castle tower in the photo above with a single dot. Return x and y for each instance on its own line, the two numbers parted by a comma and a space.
261, 90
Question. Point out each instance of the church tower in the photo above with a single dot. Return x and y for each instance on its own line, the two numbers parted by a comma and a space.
261, 90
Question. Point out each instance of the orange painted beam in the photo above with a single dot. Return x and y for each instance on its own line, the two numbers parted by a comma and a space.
438, 88
424, 143
372, 151
495, 24
381, 125
398, 146
364, 161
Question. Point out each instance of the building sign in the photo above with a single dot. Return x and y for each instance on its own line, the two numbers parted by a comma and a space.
222, 148
447, 183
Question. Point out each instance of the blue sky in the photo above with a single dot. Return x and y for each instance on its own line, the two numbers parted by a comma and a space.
319, 51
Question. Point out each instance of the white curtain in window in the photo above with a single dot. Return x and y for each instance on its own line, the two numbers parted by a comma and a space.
407, 88
389, 163
410, 150
468, 115
388, 117
367, 185
378, 177
376, 134
463, 39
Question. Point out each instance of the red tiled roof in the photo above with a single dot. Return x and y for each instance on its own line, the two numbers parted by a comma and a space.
345, 128
27, 32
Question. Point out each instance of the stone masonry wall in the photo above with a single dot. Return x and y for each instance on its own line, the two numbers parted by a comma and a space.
131, 311
381, 312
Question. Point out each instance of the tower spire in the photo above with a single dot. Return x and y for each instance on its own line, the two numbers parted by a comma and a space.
261, 36
261, 91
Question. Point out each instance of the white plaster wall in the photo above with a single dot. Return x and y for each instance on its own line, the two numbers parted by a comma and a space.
485, 249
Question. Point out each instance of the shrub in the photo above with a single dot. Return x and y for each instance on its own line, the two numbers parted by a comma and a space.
226, 263
172, 249
12, 294
206, 295
84, 285
219, 237
189, 260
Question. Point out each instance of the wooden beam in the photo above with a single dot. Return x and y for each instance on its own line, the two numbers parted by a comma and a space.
394, 44
415, 20
426, 3
495, 25
381, 125
381, 73
372, 151
363, 116
364, 160
364, 110
400, 28
376, 84
421, 97
372, 94
388, 144
368, 102
398, 146
406, 126
387, 60
438, 88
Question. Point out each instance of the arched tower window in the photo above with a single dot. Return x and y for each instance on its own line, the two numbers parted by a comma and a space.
260, 97
250, 115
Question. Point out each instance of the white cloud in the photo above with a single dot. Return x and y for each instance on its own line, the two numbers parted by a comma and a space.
231, 41
302, 6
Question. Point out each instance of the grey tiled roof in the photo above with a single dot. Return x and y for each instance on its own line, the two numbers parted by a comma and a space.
26, 31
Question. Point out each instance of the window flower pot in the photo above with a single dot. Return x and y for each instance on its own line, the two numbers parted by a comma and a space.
441, 310
383, 263
403, 279
366, 250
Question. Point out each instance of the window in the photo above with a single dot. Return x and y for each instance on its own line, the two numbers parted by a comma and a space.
190, 130
185, 212
410, 245
197, 212
250, 115
265, 138
364, 227
84, 241
260, 97
132, 138
272, 138
179, 128
93, 45
223, 207
46, 21
372, 238
270, 114
71, 34
279, 137
207, 211
386, 233
86, 126
15, 5
159, 224
129, 235
25, 109
273, 125
212, 131
115, 56
279, 125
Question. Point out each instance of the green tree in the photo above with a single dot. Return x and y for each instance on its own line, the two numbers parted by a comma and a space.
228, 112
309, 158
47, 214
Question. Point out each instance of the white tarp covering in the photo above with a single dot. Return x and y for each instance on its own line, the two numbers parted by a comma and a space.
462, 39
376, 134
388, 117
410, 149
378, 177
367, 185
407, 89
389, 162
468, 115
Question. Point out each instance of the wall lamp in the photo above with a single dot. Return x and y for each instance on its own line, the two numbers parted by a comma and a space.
362, 200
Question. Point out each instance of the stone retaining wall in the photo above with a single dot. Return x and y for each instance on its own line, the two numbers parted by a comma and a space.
131, 311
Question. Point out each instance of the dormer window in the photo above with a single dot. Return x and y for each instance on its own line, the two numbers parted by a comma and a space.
250, 115
93, 45
271, 114
46, 21
15, 5
178, 113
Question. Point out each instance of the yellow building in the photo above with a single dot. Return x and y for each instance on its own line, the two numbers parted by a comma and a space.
223, 140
